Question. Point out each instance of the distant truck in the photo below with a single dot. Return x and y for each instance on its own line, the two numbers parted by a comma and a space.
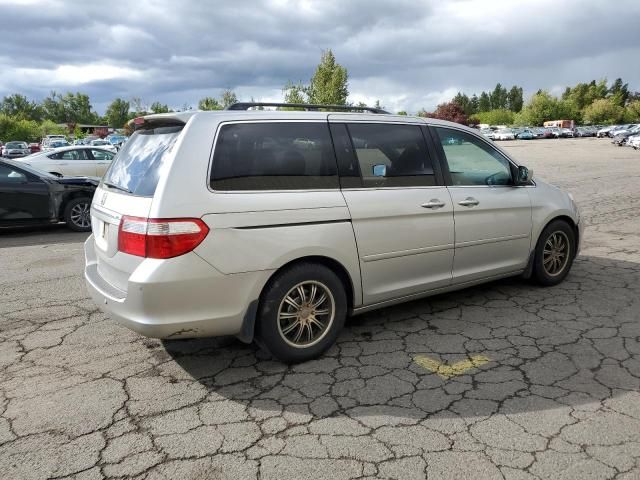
570, 124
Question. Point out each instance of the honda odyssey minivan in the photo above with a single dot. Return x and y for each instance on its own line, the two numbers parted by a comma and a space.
275, 226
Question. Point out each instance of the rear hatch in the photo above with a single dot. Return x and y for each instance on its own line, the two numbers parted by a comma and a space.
127, 189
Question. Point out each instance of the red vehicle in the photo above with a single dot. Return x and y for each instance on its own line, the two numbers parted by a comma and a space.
34, 147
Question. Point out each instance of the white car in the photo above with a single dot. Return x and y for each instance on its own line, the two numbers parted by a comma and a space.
504, 134
72, 161
487, 132
104, 144
634, 142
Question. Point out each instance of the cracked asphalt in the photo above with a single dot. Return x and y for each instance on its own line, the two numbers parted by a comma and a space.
82, 397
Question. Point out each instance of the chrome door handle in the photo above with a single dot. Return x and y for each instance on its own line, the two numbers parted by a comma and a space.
469, 202
434, 203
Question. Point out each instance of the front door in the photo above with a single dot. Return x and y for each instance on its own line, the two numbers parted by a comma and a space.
23, 197
401, 213
492, 216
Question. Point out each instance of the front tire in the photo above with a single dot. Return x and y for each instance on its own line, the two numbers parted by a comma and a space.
301, 313
555, 251
77, 214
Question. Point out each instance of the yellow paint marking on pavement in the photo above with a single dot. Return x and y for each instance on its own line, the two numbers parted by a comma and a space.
448, 371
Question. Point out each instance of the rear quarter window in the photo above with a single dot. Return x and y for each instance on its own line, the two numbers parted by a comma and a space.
141, 162
274, 156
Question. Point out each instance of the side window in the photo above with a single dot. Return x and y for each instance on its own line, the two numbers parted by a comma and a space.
101, 155
391, 155
10, 176
472, 161
74, 155
274, 156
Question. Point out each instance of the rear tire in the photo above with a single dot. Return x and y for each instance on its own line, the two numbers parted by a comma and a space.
555, 252
301, 312
77, 214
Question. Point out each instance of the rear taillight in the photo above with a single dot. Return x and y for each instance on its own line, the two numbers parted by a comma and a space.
160, 237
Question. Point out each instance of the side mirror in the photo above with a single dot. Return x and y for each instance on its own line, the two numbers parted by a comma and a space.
524, 175
379, 170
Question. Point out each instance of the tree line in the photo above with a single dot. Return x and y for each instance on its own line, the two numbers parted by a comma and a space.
595, 102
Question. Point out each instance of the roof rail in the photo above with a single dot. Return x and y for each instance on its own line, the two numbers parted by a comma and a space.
306, 106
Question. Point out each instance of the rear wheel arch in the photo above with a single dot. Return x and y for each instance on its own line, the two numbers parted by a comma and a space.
248, 325
328, 262
70, 197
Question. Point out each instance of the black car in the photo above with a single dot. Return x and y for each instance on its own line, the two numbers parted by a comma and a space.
30, 197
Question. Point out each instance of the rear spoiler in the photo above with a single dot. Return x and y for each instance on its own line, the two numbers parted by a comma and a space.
140, 123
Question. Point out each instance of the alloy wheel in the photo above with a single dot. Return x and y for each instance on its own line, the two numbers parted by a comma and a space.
555, 255
306, 314
81, 215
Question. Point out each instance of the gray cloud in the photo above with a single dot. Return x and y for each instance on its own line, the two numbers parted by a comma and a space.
409, 54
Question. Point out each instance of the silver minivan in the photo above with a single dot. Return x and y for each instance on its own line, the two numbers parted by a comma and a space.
275, 226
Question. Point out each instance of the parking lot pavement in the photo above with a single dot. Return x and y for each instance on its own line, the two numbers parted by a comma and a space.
506, 380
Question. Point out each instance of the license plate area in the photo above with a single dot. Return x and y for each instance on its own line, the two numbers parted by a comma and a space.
101, 233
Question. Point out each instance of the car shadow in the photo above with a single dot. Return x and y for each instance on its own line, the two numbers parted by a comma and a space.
569, 346
40, 235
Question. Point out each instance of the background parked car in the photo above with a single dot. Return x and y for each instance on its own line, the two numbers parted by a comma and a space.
54, 143
16, 150
621, 137
104, 144
487, 132
30, 197
34, 147
77, 160
504, 134
525, 134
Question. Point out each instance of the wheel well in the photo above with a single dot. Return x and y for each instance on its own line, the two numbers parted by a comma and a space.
248, 324
333, 265
569, 221
70, 197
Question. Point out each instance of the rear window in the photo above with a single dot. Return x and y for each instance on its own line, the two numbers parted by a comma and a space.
141, 162
274, 156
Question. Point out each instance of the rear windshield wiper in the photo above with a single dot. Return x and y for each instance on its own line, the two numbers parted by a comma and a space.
117, 187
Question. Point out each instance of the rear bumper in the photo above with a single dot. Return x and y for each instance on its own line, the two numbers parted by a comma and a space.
182, 297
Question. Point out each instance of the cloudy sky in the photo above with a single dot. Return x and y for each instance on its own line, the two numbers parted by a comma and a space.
409, 54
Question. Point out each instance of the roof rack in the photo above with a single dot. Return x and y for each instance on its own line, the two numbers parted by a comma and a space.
305, 106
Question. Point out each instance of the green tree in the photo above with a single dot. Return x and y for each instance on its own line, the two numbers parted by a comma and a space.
48, 127
402, 112
543, 107
515, 99
19, 106
474, 104
604, 111
632, 112
484, 102
157, 107
228, 98
465, 103
329, 83
294, 93
117, 113
209, 103
498, 97
619, 92
500, 116
69, 108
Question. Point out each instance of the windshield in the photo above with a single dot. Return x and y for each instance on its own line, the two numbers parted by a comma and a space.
16, 145
141, 162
